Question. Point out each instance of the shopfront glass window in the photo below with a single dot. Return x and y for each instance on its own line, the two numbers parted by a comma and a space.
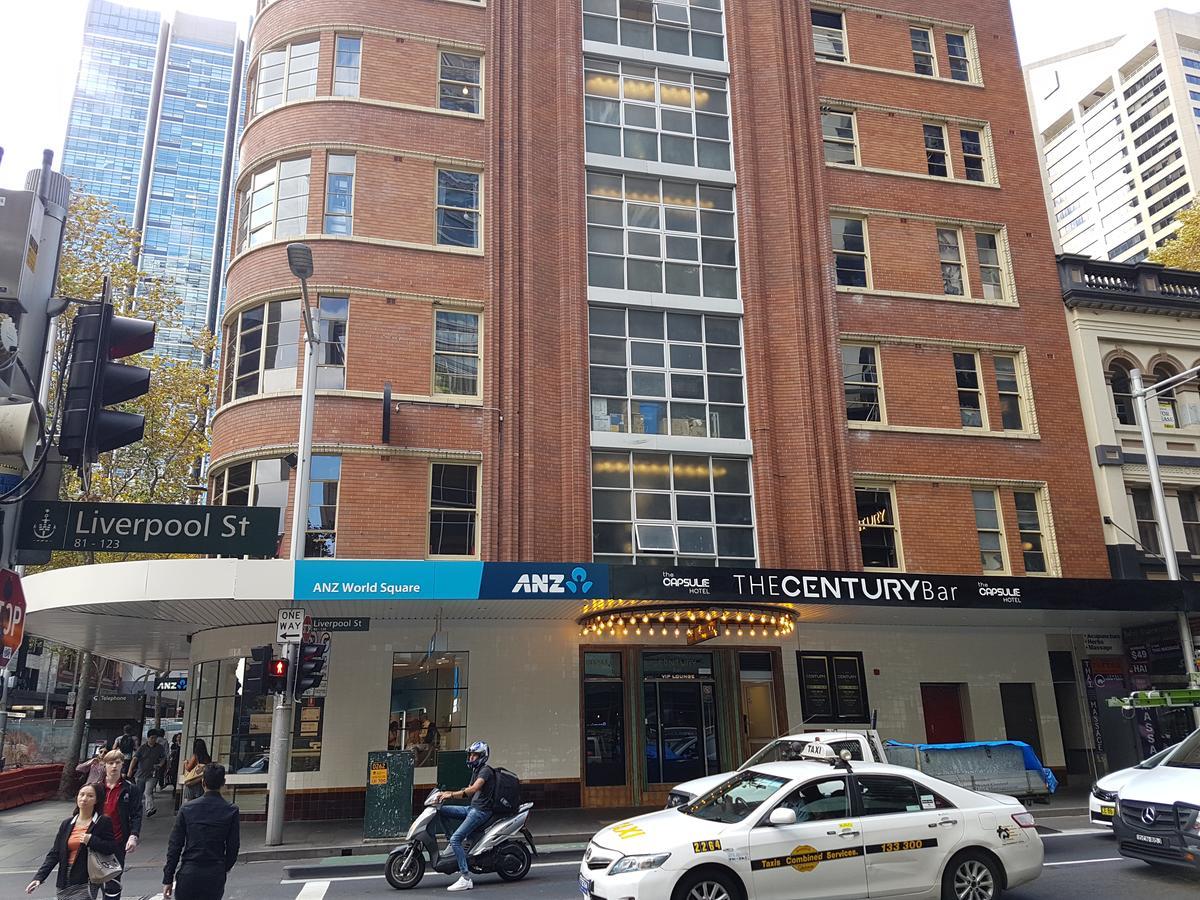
428, 704
604, 719
682, 738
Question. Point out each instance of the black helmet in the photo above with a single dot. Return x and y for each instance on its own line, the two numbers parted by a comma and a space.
480, 749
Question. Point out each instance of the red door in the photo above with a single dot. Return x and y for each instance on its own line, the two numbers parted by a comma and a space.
943, 713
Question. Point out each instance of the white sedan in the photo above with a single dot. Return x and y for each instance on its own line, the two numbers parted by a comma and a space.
1102, 802
817, 829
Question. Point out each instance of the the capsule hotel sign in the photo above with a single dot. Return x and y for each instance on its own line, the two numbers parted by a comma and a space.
149, 528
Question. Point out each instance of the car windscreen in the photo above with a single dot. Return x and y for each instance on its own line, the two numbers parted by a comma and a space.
1187, 755
1157, 759
736, 798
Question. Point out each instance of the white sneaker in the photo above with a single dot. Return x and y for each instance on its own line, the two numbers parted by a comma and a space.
463, 884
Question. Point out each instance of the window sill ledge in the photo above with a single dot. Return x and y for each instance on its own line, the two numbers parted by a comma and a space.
916, 295
941, 79
896, 173
944, 432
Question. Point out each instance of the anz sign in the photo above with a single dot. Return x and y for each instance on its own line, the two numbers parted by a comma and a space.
525, 580
534, 583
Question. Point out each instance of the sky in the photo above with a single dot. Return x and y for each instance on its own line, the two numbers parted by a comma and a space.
35, 94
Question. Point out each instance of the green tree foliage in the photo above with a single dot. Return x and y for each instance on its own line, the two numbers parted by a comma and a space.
1182, 251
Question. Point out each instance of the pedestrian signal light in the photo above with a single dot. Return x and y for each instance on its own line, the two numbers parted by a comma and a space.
277, 673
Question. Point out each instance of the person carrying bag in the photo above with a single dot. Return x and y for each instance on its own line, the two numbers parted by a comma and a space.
83, 851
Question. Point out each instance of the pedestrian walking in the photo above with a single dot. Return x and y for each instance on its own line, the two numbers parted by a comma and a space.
123, 807
204, 843
170, 768
144, 766
193, 772
127, 742
87, 831
93, 768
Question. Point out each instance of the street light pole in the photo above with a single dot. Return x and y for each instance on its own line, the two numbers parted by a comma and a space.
300, 261
1143, 395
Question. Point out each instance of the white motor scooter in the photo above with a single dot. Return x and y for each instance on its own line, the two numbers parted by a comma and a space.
503, 845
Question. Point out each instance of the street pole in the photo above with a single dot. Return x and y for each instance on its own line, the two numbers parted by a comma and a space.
300, 262
3, 714
66, 787
1143, 395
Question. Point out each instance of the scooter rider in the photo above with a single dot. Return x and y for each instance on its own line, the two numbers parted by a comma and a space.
480, 790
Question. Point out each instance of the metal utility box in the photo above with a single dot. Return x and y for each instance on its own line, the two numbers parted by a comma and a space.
20, 238
388, 811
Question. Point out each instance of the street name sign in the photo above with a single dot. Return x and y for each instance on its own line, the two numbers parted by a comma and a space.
340, 623
289, 627
12, 616
149, 528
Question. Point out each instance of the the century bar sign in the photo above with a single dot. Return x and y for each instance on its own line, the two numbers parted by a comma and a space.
857, 587
149, 528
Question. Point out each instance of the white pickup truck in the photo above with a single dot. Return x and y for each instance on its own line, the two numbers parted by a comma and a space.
862, 745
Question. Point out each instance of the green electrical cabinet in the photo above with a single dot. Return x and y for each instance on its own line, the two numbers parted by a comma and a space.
389, 801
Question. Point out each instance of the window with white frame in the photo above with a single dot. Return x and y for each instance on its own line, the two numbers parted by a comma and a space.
261, 347
274, 203
850, 258
959, 56
878, 531
259, 482
860, 380
286, 74
459, 82
924, 60
457, 208
937, 160
950, 257
332, 316
970, 395
453, 510
1030, 532
669, 115
1122, 392
1008, 386
838, 131
671, 508
339, 193
661, 236
347, 65
456, 353
320, 538
971, 140
991, 534
829, 34
683, 27
654, 372
991, 270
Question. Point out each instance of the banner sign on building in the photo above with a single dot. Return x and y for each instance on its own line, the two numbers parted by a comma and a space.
437, 580
148, 528
1089, 682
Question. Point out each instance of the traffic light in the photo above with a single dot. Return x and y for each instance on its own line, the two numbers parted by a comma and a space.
254, 681
95, 382
311, 671
277, 672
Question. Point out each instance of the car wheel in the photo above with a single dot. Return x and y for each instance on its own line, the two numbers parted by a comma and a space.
971, 876
708, 885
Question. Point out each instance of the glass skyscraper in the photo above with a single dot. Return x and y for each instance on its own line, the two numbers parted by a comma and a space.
153, 130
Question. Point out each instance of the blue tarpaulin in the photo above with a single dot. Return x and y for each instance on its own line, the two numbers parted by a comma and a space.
1032, 763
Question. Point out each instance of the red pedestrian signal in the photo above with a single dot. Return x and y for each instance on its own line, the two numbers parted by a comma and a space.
277, 676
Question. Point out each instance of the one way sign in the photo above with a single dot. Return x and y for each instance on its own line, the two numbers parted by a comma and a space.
290, 625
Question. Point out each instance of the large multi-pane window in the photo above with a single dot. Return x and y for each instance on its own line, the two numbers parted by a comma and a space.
347, 66
274, 203
950, 257
320, 536
671, 508
970, 394
837, 130
459, 83
878, 533
991, 274
960, 59
666, 373
972, 148
339, 194
1122, 392
991, 534
261, 346
260, 482
683, 27
1008, 386
924, 61
457, 208
668, 115
1029, 529
850, 258
453, 510
937, 161
661, 236
332, 314
428, 704
456, 353
860, 378
829, 35
286, 74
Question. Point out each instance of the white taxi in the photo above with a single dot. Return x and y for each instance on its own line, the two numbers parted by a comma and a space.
819, 829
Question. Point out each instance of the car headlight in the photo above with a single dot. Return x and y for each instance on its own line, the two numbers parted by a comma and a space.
1103, 795
638, 863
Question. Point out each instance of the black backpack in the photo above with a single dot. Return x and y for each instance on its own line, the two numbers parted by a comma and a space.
125, 743
506, 796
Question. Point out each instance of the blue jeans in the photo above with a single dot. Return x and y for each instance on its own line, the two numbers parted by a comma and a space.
471, 819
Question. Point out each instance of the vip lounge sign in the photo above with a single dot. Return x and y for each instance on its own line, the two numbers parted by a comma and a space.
149, 528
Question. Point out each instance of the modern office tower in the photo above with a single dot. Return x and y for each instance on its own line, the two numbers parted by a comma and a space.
152, 130
1117, 129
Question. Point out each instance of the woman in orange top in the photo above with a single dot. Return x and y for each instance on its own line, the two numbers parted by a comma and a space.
85, 831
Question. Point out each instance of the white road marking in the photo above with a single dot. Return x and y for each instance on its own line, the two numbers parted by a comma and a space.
327, 881
313, 890
1076, 831
1081, 862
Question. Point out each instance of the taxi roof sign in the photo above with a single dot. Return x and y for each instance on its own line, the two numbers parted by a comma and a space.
818, 752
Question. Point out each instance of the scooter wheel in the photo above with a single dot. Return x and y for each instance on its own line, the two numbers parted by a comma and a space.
405, 868
513, 862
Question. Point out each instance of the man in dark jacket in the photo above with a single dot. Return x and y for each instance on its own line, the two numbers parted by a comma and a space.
204, 843
123, 806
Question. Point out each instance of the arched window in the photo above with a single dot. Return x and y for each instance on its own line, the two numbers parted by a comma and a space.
1122, 392
1167, 405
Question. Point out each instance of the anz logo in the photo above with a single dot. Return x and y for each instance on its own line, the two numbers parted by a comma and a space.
577, 583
